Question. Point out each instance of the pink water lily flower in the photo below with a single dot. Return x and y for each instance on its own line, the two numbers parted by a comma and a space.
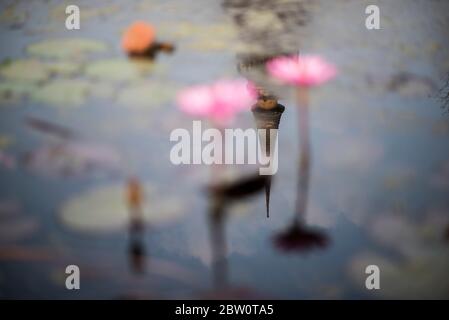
306, 71
219, 101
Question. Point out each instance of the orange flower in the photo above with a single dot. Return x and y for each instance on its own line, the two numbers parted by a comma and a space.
138, 37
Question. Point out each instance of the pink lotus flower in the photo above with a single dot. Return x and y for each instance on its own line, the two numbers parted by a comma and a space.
307, 71
220, 101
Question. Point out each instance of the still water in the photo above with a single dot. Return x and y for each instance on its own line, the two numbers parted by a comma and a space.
370, 185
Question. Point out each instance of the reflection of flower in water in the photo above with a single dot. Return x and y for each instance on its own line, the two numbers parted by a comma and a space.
304, 71
300, 238
220, 101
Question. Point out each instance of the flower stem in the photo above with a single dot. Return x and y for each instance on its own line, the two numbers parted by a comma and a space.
302, 96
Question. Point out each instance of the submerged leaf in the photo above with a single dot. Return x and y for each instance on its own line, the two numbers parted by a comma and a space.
105, 209
47, 127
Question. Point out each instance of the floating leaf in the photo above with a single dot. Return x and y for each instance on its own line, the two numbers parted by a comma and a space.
117, 70
189, 30
25, 70
66, 48
219, 36
62, 93
147, 94
63, 68
104, 209
12, 92
102, 91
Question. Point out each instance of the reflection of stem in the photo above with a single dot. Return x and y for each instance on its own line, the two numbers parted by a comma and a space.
302, 95
136, 230
136, 244
218, 170
216, 222
218, 244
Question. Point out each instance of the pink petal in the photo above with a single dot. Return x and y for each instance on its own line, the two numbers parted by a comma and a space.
196, 100
285, 69
233, 95
220, 101
301, 70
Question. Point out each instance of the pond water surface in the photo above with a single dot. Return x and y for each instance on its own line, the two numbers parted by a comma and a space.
372, 189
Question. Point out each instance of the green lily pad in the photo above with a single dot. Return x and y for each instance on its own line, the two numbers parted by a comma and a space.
63, 68
104, 209
62, 93
148, 94
102, 91
117, 70
31, 70
66, 48
12, 92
